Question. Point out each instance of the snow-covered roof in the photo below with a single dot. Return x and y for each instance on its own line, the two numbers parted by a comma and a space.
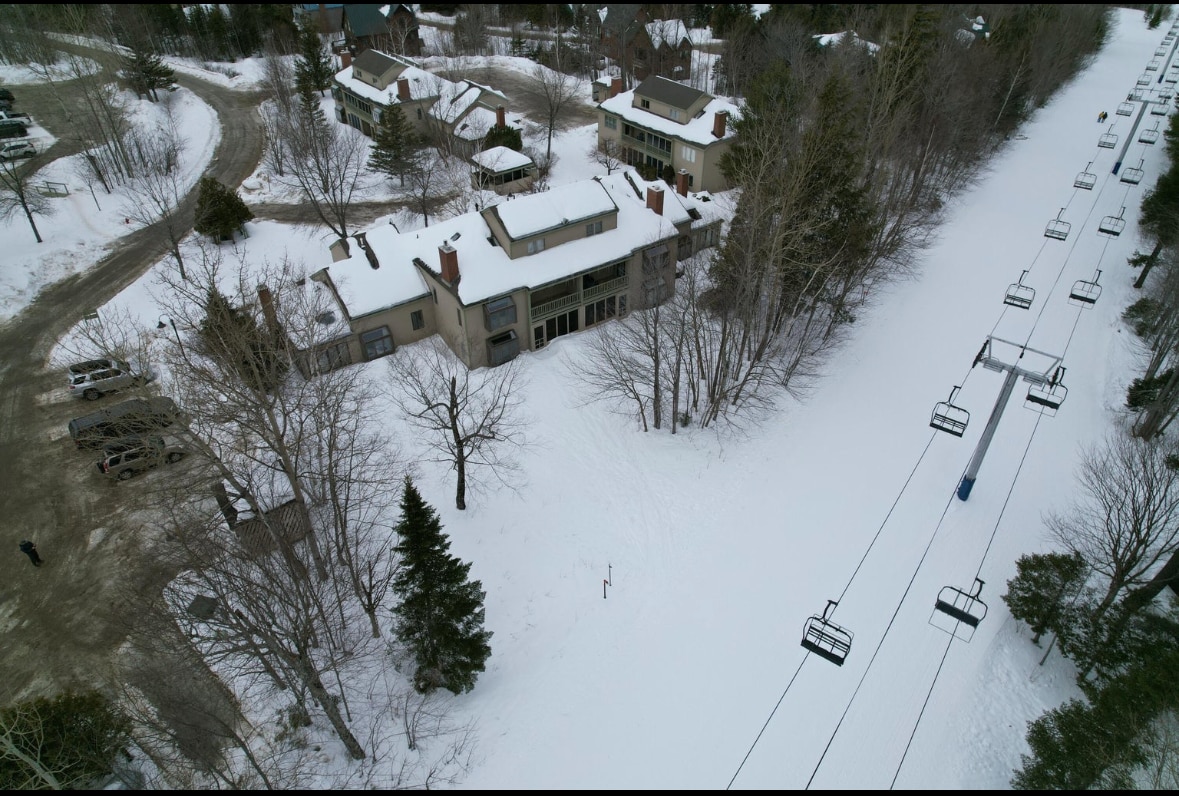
501, 158
536, 213
829, 39
475, 124
422, 85
486, 269
454, 101
667, 31
697, 130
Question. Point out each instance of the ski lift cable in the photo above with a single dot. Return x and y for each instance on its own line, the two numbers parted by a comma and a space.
977, 572
841, 596
887, 628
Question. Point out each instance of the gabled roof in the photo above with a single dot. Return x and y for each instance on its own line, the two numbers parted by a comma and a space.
375, 62
669, 32
366, 19
617, 16
698, 129
487, 270
559, 207
669, 92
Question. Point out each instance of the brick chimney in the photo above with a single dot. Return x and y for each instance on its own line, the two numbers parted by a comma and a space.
615, 86
719, 122
267, 302
345, 60
655, 198
681, 182
500, 116
448, 257
403, 89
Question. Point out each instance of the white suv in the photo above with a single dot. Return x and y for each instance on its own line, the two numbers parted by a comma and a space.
17, 150
94, 377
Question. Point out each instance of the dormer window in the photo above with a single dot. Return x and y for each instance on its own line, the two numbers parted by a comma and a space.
645, 104
674, 114
593, 228
536, 246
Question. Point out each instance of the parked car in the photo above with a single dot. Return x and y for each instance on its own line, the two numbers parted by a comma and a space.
95, 377
126, 419
124, 458
17, 150
8, 113
13, 128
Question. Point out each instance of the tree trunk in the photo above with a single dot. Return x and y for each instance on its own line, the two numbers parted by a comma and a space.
332, 710
1148, 264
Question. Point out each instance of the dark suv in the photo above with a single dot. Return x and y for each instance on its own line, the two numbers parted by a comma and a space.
137, 416
123, 458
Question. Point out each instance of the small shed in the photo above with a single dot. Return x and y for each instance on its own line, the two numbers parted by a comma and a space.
502, 170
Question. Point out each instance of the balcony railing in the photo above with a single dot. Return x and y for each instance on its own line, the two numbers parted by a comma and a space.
577, 298
647, 145
604, 288
548, 308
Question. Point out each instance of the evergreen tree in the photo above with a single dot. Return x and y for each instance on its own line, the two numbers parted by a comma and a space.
1043, 583
313, 65
235, 340
1160, 219
66, 742
394, 144
147, 73
219, 211
440, 613
504, 136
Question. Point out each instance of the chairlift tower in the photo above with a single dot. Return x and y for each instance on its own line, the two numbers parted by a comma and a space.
1046, 391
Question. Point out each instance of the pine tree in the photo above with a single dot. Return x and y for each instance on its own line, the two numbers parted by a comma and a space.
313, 66
219, 211
394, 144
440, 613
1043, 584
147, 73
504, 136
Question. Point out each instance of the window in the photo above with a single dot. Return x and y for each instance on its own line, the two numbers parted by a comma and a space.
415, 320
332, 357
646, 104
688, 154
459, 311
536, 246
593, 228
502, 348
376, 342
499, 313
611, 123
599, 311
674, 114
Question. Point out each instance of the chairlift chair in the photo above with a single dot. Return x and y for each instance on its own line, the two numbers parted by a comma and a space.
1135, 95
1160, 52
1153, 66
1125, 109
1049, 395
1020, 295
1171, 78
1144, 79
1150, 136
950, 418
1159, 108
1108, 140
1165, 94
1086, 179
964, 607
1133, 176
825, 638
1085, 292
1112, 226
1057, 229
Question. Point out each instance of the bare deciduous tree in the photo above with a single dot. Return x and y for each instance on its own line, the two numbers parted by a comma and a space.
558, 92
607, 154
18, 196
155, 191
470, 417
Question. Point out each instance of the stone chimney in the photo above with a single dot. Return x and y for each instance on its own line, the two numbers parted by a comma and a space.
500, 116
655, 198
615, 86
345, 60
681, 182
448, 257
719, 122
267, 302
403, 89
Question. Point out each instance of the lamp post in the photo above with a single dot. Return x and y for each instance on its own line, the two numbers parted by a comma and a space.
176, 331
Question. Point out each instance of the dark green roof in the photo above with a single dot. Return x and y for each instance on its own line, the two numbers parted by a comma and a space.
669, 92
